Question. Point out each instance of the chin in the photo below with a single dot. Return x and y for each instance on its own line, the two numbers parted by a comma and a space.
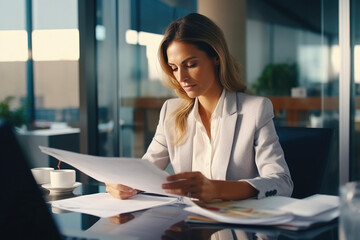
192, 95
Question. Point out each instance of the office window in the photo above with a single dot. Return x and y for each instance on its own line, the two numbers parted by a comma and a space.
130, 92
13, 52
355, 97
293, 58
55, 40
55, 53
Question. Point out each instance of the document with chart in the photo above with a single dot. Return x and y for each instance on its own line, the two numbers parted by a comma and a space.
285, 212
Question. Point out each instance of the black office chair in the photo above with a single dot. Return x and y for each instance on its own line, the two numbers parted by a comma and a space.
306, 152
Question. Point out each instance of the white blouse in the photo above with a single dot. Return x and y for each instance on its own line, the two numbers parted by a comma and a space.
206, 150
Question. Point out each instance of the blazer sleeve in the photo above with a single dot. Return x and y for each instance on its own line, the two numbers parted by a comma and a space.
274, 175
157, 151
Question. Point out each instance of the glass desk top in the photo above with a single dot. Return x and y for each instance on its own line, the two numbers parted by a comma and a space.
167, 222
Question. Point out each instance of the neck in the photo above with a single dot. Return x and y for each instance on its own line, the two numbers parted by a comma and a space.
208, 104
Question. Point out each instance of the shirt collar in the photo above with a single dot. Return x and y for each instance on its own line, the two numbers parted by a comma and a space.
218, 109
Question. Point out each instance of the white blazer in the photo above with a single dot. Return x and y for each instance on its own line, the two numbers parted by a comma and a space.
249, 146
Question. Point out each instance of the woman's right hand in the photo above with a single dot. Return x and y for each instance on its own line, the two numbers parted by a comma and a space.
120, 191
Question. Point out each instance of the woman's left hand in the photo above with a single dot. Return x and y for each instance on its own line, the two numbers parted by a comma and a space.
191, 184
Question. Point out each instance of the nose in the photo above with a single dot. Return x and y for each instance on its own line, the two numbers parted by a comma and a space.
182, 75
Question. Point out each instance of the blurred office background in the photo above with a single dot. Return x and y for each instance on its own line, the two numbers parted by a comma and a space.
91, 65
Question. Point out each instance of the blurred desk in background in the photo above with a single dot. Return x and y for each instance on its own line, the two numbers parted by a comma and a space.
146, 112
66, 139
298, 109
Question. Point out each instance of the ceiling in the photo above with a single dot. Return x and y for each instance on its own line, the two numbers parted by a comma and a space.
313, 15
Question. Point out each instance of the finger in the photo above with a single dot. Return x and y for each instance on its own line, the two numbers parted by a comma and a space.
120, 187
115, 192
181, 184
182, 191
121, 195
124, 188
126, 195
175, 192
183, 175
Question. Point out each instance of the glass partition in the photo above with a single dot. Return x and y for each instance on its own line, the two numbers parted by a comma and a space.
55, 40
43, 33
13, 55
293, 58
355, 97
128, 34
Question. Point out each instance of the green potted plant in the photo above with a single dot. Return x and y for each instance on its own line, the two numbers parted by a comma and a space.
16, 117
277, 80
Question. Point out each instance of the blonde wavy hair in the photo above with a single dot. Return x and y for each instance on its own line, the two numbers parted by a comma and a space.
203, 33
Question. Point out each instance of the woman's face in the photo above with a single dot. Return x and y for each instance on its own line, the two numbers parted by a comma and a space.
194, 70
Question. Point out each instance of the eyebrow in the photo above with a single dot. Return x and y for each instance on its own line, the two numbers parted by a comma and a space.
185, 60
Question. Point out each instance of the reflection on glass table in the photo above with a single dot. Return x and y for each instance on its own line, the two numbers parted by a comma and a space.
169, 222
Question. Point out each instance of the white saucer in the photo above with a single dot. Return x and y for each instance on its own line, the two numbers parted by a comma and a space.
60, 190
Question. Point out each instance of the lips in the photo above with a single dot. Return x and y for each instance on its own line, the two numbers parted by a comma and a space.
188, 87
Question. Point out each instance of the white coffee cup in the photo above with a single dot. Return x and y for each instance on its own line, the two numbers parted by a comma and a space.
42, 174
62, 178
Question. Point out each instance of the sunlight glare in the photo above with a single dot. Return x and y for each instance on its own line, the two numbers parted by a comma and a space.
357, 63
13, 46
56, 45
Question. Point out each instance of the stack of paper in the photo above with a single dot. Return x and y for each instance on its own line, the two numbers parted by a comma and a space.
289, 213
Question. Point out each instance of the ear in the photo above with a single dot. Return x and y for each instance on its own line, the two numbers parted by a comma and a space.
217, 60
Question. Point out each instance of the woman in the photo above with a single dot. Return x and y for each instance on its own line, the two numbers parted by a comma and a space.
220, 141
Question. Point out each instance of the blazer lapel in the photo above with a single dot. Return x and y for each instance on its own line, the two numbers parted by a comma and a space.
228, 124
185, 150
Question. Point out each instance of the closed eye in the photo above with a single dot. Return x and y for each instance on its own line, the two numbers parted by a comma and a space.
173, 67
191, 65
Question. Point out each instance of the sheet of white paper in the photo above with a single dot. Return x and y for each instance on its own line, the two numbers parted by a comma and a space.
299, 223
312, 206
103, 205
307, 207
133, 172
